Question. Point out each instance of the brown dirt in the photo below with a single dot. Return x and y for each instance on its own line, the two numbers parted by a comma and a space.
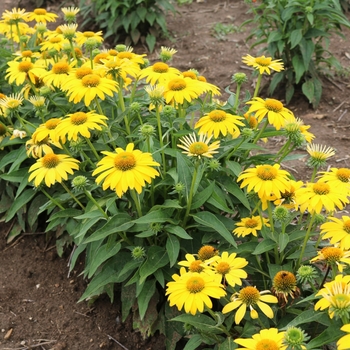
38, 300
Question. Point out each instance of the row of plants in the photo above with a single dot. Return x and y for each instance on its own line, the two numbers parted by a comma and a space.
168, 193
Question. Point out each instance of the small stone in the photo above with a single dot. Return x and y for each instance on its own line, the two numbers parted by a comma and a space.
8, 334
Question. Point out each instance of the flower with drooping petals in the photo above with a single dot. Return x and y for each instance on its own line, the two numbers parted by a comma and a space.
250, 297
344, 341
333, 256
200, 148
337, 230
339, 178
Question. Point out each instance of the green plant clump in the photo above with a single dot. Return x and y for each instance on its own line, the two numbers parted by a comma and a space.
298, 32
135, 20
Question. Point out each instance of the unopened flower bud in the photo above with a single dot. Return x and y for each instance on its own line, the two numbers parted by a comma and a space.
239, 78
79, 182
138, 253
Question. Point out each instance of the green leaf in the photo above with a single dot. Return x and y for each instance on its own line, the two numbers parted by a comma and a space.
173, 249
184, 171
160, 215
118, 223
66, 213
208, 219
264, 246
329, 335
307, 316
19, 202
283, 240
194, 342
150, 41
308, 89
145, 296
157, 257
235, 167
233, 188
299, 68
102, 254
307, 49
177, 231
201, 197
16, 176
33, 209
128, 298
200, 322
295, 37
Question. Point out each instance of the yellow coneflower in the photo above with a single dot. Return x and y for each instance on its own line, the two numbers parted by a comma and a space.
158, 73
337, 230
207, 252
250, 225
319, 154
263, 64
198, 148
192, 290
333, 256
125, 169
284, 284
250, 297
42, 16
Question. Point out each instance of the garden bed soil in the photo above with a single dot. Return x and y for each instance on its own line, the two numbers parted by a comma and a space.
38, 299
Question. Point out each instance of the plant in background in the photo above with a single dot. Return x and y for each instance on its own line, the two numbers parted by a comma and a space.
170, 194
133, 21
298, 33
221, 30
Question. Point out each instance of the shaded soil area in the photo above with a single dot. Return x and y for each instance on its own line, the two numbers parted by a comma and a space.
38, 300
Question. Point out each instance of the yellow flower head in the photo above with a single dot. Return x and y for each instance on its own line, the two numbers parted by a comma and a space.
200, 148
52, 168
340, 178
335, 297
15, 16
159, 72
333, 256
81, 37
263, 64
40, 148
230, 268
193, 264
89, 87
42, 16
58, 73
219, 122
250, 297
284, 284
250, 225
181, 89
80, 123
20, 72
266, 339
207, 252
126, 169
319, 154
343, 342
192, 290
320, 195
337, 230
166, 53
47, 130
11, 103
277, 114
265, 180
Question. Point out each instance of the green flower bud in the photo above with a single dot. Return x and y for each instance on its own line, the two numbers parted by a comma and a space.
138, 253
147, 130
95, 52
91, 43
169, 112
179, 187
156, 227
239, 78
281, 214
79, 182
120, 47
45, 91
24, 39
295, 338
306, 274
214, 165
247, 133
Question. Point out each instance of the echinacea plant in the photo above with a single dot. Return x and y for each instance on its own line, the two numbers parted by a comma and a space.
169, 192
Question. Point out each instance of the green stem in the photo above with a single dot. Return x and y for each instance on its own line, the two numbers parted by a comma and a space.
314, 172
190, 195
88, 159
136, 200
257, 137
257, 87
53, 200
307, 236
212, 314
72, 49
93, 200
160, 135
234, 149
238, 91
72, 195
92, 148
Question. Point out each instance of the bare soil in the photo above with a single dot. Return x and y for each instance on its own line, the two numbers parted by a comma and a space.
38, 300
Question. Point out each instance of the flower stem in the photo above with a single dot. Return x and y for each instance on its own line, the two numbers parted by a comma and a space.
307, 236
93, 200
160, 135
257, 86
53, 200
92, 148
136, 200
72, 195
190, 195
